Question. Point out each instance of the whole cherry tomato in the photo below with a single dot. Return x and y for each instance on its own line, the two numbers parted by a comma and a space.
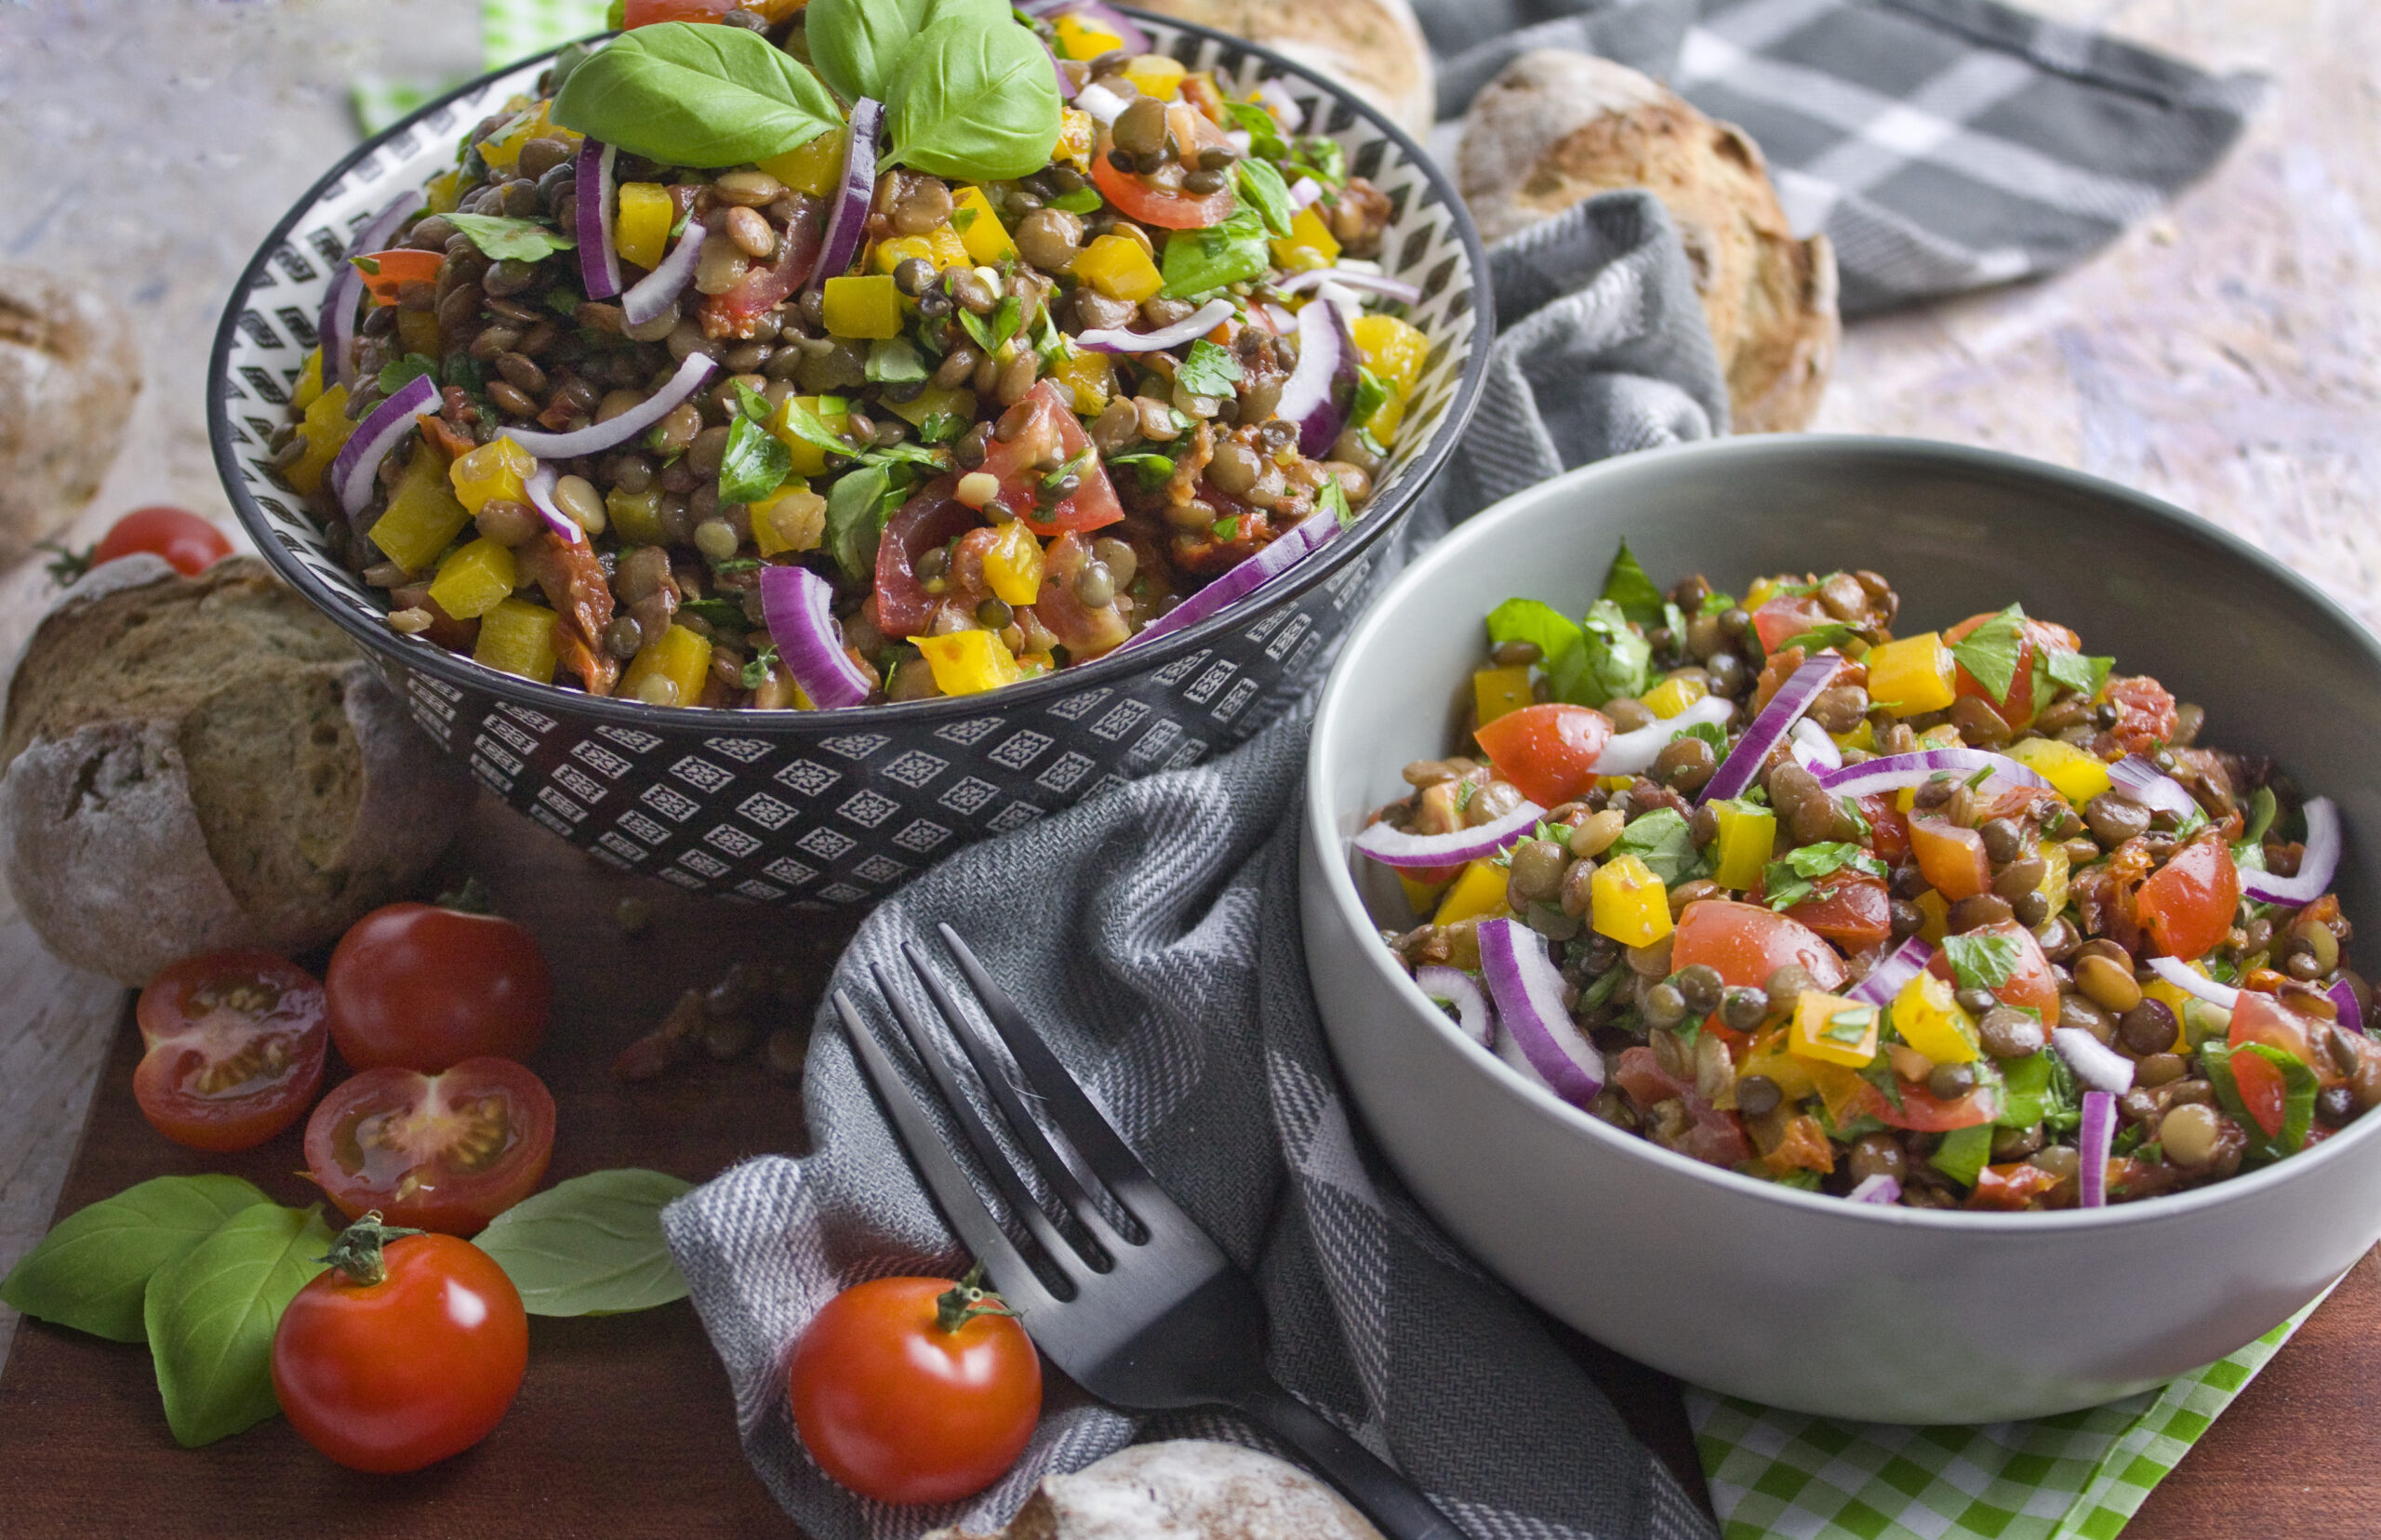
190, 543
914, 1389
425, 987
236, 1047
444, 1152
408, 1350
1549, 750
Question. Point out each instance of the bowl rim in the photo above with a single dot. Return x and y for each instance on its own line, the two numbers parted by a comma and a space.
463, 672
1348, 910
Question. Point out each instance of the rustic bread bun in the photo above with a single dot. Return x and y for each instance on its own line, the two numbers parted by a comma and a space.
192, 763
1187, 1489
1374, 47
68, 373
1556, 127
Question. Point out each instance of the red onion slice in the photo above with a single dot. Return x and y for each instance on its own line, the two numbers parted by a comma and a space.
1880, 1189
1104, 105
2094, 1144
799, 606
2140, 779
1276, 95
1312, 397
2351, 1013
1770, 728
1304, 192
1283, 552
1633, 752
1206, 318
359, 459
1459, 990
1397, 848
848, 224
636, 419
2317, 864
654, 293
336, 328
599, 260
1813, 749
2094, 1062
1895, 771
1354, 278
1527, 989
541, 490
2183, 977
1240, 140
1898, 968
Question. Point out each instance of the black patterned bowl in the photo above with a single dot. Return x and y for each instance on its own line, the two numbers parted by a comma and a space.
840, 807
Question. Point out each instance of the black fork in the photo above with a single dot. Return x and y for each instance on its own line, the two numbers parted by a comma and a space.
1149, 1315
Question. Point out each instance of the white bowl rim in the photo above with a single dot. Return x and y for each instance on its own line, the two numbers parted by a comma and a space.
1479, 528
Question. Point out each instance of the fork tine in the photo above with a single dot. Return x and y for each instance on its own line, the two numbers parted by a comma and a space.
954, 1193
1029, 1132
971, 1123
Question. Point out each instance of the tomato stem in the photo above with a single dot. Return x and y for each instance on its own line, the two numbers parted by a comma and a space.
968, 1299
357, 1253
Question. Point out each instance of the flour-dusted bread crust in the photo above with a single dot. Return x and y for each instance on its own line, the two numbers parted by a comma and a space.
1556, 127
1374, 47
69, 374
197, 764
1187, 1489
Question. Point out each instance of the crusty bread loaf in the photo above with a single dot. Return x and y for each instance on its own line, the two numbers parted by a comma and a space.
1187, 1489
191, 763
68, 373
1374, 47
1556, 126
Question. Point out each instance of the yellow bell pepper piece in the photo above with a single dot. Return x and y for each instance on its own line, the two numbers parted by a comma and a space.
1395, 352
420, 332
641, 229
1628, 903
1117, 267
475, 579
869, 307
1478, 893
968, 662
2053, 884
1833, 1030
502, 148
980, 229
1088, 376
833, 412
423, 517
1936, 922
518, 638
940, 246
791, 518
326, 431
1084, 39
2175, 1000
1155, 75
815, 166
2079, 775
934, 401
310, 381
1930, 1020
1911, 675
671, 667
1837, 1087
1742, 848
1863, 737
1496, 691
1013, 567
1076, 138
1673, 696
636, 516
1421, 896
1309, 243
443, 192
498, 470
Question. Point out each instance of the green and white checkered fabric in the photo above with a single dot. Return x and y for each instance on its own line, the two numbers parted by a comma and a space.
515, 29
2075, 1476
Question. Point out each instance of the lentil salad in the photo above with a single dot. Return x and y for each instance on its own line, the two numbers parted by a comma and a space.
916, 419
1954, 920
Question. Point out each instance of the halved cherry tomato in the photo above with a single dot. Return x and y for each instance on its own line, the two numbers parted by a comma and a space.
2144, 713
1850, 909
906, 1399
446, 1152
1950, 858
2033, 637
933, 516
401, 266
2188, 904
1050, 431
2263, 1090
2261, 1018
235, 1045
2010, 1187
1748, 942
190, 543
401, 1355
1157, 199
1549, 750
2031, 984
424, 987
734, 312
1717, 1139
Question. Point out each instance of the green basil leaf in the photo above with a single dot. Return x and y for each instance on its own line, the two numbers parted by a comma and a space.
1370, 393
975, 99
210, 1315
500, 237
1326, 158
1712, 734
1963, 1153
1262, 187
1082, 200
1663, 840
1818, 639
1233, 252
1782, 888
894, 360
697, 95
2262, 809
1989, 652
2082, 674
1263, 128
1981, 961
1211, 370
2299, 1085
90, 1269
1542, 626
718, 613
1332, 501
1613, 659
856, 46
1627, 586
1154, 470
852, 519
942, 428
751, 403
590, 1246
755, 464
805, 425
398, 372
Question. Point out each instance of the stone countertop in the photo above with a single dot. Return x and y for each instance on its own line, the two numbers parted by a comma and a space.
2220, 356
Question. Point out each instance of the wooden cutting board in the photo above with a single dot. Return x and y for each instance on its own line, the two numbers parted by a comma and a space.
625, 1426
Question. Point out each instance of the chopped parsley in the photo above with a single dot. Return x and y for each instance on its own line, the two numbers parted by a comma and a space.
1209, 371
1794, 877
1981, 961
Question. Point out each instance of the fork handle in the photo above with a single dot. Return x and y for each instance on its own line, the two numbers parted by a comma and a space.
1395, 1506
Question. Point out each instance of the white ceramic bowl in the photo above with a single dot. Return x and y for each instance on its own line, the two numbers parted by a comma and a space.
1787, 1298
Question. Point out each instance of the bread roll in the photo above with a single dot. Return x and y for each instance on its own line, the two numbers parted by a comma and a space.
193, 763
69, 374
1374, 47
1187, 1489
1555, 127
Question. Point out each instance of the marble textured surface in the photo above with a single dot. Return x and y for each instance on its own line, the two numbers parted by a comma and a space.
2221, 356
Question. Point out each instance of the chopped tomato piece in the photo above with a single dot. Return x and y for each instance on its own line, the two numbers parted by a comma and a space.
2031, 984
2261, 1018
1157, 199
2010, 1187
1746, 943
2263, 1091
1951, 858
1922, 1109
402, 266
1788, 616
1850, 909
1716, 1138
1550, 751
1050, 434
2033, 638
933, 516
1891, 841
738, 312
2144, 713
2188, 904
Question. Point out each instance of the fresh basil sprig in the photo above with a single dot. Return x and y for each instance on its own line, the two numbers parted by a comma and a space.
699, 95
590, 1245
